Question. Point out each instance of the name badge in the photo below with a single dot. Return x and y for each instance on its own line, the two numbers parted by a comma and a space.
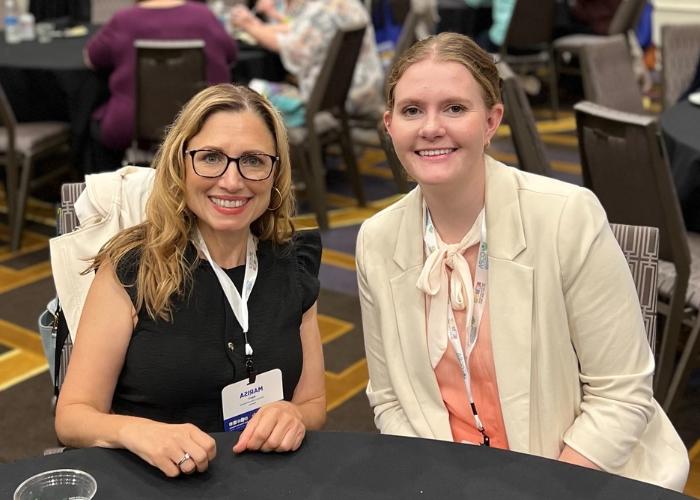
241, 400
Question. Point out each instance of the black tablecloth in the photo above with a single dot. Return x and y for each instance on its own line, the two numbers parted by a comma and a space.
334, 466
50, 82
681, 130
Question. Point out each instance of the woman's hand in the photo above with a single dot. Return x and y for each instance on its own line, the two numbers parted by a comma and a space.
165, 445
241, 17
266, 7
275, 427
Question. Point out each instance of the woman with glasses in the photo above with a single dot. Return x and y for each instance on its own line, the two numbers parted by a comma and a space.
214, 288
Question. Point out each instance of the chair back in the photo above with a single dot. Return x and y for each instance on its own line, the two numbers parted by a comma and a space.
523, 129
640, 245
8, 122
531, 25
608, 75
66, 221
102, 11
624, 163
168, 74
680, 56
335, 78
626, 16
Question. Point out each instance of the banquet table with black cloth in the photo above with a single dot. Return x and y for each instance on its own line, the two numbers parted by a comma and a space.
333, 465
49, 81
680, 125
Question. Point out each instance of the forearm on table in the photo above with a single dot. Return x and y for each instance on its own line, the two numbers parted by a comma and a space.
81, 426
312, 412
571, 456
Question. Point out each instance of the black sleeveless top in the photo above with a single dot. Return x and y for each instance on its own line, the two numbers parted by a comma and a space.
174, 371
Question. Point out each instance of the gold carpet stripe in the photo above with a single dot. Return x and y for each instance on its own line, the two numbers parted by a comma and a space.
342, 386
570, 141
11, 279
558, 166
19, 368
332, 328
16, 337
338, 259
695, 451
375, 171
340, 200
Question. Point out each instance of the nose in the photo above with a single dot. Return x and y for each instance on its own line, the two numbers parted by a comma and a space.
432, 127
231, 180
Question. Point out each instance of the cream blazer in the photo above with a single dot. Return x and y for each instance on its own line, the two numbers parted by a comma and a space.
573, 365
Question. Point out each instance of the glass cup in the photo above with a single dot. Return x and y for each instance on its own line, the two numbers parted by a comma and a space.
57, 484
44, 32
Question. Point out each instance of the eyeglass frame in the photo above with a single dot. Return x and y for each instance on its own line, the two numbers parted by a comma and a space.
229, 159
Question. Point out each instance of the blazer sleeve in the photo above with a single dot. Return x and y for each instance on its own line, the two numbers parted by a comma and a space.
607, 331
389, 416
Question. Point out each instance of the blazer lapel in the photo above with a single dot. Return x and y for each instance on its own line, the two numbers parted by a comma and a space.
410, 321
511, 289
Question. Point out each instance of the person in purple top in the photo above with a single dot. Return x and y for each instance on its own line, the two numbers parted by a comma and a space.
111, 50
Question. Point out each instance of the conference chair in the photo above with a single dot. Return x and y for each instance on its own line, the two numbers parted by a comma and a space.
327, 122
168, 74
21, 145
624, 163
608, 75
527, 142
568, 48
680, 55
640, 245
528, 42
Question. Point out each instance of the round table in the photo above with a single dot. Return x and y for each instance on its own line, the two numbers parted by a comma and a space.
334, 465
50, 82
680, 126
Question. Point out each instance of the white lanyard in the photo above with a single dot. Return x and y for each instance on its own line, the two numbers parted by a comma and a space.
480, 285
238, 303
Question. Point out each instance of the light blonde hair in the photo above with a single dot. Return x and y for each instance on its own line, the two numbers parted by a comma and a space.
449, 47
162, 239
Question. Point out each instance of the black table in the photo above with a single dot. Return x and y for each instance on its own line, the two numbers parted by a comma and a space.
332, 465
681, 130
49, 81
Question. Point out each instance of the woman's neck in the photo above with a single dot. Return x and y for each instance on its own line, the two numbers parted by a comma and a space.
228, 250
453, 210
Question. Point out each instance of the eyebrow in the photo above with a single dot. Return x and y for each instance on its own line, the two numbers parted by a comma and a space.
443, 102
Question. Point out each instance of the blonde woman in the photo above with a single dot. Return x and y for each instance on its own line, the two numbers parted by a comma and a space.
163, 331
497, 307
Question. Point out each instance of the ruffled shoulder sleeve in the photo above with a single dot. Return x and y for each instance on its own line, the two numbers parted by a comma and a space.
307, 247
127, 271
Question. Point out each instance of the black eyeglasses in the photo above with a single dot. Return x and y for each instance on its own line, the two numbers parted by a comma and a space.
252, 166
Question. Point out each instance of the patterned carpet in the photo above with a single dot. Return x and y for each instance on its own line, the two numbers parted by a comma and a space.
26, 423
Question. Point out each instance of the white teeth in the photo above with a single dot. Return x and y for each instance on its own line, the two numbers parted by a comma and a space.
228, 203
435, 152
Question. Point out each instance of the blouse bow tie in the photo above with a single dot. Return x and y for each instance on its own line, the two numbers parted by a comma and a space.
456, 293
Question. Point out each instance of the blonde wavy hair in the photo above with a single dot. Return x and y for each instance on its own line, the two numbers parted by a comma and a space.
162, 239
449, 47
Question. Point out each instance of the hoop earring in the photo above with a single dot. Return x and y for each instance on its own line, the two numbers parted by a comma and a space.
279, 195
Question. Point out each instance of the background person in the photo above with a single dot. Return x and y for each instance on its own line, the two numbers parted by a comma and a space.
112, 50
302, 43
158, 341
519, 273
